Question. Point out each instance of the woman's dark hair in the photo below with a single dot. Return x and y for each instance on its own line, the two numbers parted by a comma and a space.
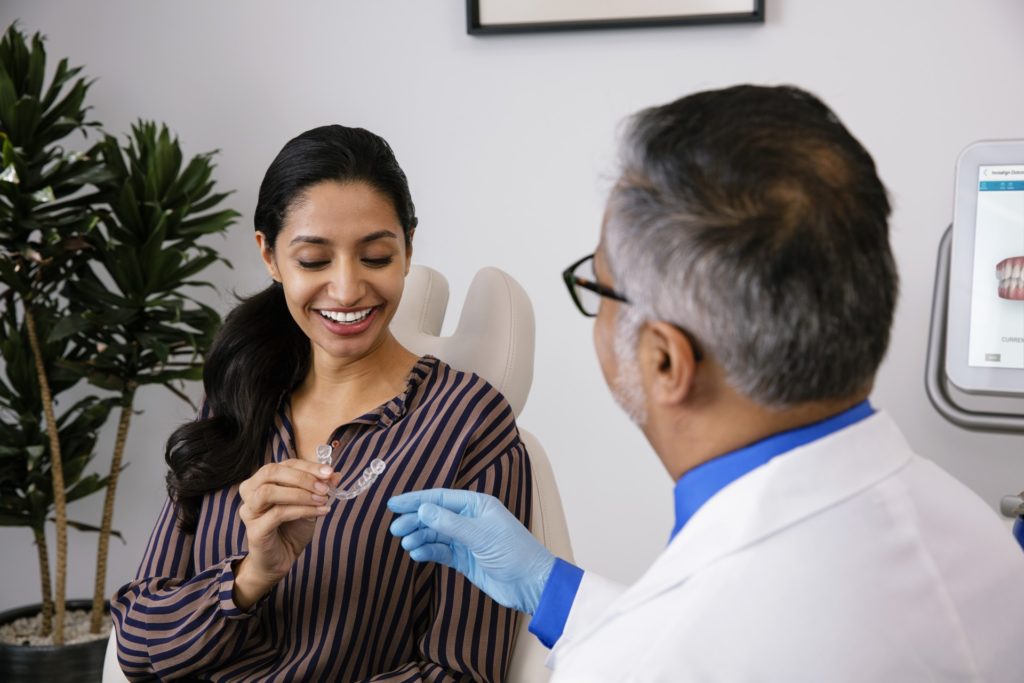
260, 353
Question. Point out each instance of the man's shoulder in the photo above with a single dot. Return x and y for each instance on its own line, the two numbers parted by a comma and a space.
934, 504
854, 560
867, 581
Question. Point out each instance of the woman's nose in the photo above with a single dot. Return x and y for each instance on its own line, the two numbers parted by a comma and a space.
347, 286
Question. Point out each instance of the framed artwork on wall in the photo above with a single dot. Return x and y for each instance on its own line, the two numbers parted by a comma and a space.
485, 17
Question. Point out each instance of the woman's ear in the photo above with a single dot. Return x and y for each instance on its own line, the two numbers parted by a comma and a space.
667, 362
408, 250
267, 254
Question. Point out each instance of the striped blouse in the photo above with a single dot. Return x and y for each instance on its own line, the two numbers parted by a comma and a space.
354, 606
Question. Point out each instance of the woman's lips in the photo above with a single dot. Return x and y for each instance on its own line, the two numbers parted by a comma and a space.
349, 329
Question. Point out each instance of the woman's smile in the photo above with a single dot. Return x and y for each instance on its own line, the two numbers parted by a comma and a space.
350, 323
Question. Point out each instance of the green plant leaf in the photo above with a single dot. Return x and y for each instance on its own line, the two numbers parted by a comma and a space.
8, 96
85, 487
67, 326
36, 65
81, 526
191, 374
62, 75
25, 118
209, 223
7, 519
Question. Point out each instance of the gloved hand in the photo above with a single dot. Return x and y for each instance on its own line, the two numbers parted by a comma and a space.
477, 536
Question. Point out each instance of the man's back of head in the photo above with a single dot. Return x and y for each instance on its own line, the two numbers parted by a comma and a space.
752, 218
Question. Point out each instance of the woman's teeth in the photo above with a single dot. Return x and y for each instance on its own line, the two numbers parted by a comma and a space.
348, 318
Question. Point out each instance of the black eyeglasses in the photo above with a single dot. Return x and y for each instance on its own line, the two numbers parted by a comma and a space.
586, 293
584, 288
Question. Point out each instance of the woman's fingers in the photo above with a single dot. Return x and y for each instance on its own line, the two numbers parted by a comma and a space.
300, 472
261, 499
292, 482
274, 497
293, 473
267, 523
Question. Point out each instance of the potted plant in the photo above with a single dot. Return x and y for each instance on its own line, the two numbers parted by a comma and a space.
26, 479
131, 304
43, 224
97, 252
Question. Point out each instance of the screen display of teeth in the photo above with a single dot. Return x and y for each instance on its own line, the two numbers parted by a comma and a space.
997, 292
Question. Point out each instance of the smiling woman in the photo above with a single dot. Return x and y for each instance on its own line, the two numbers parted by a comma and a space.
343, 266
253, 571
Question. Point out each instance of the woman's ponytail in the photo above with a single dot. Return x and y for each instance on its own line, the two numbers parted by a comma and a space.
257, 357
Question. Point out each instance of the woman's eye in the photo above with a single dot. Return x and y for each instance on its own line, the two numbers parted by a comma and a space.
312, 265
378, 262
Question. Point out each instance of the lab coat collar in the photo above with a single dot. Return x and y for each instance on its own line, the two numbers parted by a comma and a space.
780, 493
702, 482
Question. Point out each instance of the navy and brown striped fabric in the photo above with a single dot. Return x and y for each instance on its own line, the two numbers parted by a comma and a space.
354, 607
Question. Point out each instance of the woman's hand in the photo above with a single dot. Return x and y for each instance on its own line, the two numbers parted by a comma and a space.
280, 506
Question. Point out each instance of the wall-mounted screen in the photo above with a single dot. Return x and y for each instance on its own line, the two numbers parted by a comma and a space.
985, 330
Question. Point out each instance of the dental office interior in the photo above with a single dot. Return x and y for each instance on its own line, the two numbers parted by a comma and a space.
509, 143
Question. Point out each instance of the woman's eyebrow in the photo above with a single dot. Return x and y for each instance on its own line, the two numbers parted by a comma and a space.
309, 239
366, 239
374, 236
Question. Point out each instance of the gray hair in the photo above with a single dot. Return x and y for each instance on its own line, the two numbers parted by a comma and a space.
752, 219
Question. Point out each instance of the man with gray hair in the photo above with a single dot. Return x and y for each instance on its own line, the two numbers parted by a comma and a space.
743, 291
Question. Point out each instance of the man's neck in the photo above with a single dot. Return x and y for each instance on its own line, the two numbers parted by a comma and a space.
694, 437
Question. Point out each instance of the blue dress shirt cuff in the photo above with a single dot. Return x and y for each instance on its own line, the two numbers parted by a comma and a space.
555, 602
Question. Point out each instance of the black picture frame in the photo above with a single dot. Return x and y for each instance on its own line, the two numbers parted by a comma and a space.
474, 26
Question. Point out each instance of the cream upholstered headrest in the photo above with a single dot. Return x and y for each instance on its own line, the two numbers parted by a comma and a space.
495, 334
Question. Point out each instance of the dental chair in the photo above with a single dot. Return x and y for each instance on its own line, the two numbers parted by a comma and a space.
495, 339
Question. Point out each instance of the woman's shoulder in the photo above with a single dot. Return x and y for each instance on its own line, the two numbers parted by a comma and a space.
463, 393
445, 377
469, 411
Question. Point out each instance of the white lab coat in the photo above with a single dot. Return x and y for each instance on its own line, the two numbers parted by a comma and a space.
847, 559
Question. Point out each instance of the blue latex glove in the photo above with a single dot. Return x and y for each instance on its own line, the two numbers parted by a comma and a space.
477, 536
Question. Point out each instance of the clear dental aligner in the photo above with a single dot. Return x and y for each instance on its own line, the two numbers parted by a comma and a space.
370, 474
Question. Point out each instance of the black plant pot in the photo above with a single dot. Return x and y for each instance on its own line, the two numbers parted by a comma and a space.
79, 663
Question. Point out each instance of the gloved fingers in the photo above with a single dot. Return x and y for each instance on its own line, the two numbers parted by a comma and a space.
406, 524
466, 531
423, 537
434, 552
455, 500
406, 502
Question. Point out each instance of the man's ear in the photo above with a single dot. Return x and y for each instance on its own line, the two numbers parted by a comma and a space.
667, 362
267, 254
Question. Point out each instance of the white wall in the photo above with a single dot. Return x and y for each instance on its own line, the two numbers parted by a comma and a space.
508, 142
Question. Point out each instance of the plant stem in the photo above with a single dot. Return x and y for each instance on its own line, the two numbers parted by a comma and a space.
44, 576
57, 472
100, 587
